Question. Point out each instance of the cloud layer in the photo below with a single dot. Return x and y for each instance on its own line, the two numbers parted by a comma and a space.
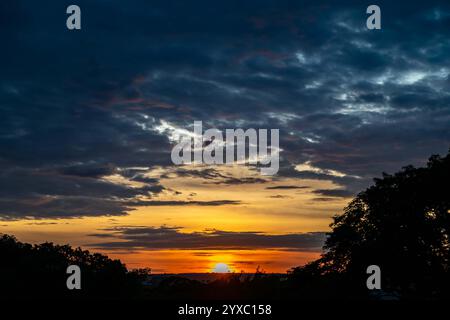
79, 107
173, 238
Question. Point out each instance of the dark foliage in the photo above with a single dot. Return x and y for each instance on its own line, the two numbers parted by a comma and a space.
401, 224
40, 271
233, 286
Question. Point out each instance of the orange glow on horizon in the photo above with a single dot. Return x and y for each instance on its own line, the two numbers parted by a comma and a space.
260, 207
204, 261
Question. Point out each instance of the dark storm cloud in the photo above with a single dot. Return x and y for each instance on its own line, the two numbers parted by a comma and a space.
173, 238
88, 171
78, 105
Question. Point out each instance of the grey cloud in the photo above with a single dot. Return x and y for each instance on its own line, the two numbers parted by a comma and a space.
345, 98
287, 187
173, 238
212, 203
334, 192
62, 193
88, 170
279, 196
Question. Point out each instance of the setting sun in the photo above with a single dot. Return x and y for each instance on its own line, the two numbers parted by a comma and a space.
221, 268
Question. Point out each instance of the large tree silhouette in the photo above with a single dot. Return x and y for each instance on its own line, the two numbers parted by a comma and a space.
401, 224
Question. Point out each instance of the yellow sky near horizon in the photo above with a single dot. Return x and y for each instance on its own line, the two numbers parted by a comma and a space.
270, 211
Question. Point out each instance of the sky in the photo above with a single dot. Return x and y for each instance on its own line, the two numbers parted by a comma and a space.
88, 119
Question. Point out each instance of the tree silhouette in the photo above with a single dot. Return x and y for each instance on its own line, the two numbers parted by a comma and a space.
40, 271
401, 224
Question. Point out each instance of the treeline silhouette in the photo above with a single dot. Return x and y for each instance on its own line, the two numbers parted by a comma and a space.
401, 224
39, 271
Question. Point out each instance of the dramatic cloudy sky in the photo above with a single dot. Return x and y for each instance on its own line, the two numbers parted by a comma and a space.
88, 119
